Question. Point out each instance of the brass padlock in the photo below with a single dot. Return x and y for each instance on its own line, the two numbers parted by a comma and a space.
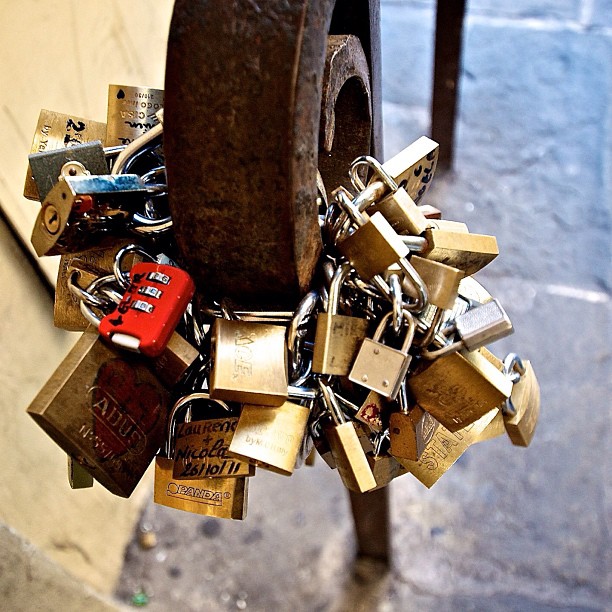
448, 225
465, 251
131, 111
337, 336
270, 436
399, 209
384, 468
380, 367
200, 447
444, 448
218, 497
442, 281
56, 131
89, 265
106, 409
249, 363
410, 431
345, 445
459, 388
522, 409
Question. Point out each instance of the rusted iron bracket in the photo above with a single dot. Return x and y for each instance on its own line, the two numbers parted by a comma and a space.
243, 98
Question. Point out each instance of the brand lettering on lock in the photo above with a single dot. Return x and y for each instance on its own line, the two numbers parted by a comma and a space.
243, 355
203, 496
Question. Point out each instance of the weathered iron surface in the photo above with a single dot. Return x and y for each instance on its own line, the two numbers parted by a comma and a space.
243, 92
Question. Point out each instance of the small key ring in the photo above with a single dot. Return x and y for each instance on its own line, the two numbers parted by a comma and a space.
94, 286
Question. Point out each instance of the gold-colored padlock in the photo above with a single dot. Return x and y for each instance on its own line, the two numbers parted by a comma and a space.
371, 410
442, 281
444, 448
465, 251
448, 225
384, 468
218, 497
337, 336
410, 431
249, 363
270, 436
380, 367
56, 131
346, 447
399, 209
106, 409
200, 447
131, 111
89, 265
459, 388
522, 409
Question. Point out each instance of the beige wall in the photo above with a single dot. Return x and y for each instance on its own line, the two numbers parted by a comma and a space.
59, 55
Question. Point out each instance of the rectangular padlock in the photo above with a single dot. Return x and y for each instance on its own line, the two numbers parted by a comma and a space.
410, 431
465, 251
414, 167
270, 436
483, 324
56, 131
107, 410
249, 363
384, 468
525, 399
48, 166
459, 388
444, 448
337, 337
218, 497
131, 111
86, 212
404, 216
150, 309
380, 367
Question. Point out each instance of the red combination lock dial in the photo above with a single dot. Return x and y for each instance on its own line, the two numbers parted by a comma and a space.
150, 309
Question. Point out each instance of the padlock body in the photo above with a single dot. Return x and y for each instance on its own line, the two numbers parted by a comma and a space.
219, 497
402, 213
380, 368
373, 247
442, 281
150, 309
467, 252
201, 450
350, 457
526, 400
106, 409
249, 363
56, 131
270, 437
410, 432
384, 469
371, 410
483, 324
459, 388
336, 343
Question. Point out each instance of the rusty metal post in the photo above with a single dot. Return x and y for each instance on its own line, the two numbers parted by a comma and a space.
449, 31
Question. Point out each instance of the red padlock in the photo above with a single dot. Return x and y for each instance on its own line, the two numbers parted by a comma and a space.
150, 309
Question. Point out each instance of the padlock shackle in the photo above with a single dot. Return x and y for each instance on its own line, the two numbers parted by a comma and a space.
179, 405
409, 333
331, 403
377, 167
86, 309
340, 274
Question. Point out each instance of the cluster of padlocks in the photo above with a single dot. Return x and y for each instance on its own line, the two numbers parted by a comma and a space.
381, 369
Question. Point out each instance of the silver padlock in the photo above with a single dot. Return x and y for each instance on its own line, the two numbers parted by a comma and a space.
380, 367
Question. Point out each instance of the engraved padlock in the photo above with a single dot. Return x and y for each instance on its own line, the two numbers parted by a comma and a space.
106, 409
200, 446
372, 410
522, 409
338, 336
218, 497
249, 363
459, 388
57, 131
384, 467
270, 436
380, 367
444, 448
